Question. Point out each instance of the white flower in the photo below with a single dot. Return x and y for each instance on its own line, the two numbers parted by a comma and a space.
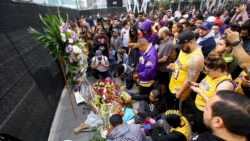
70, 40
63, 37
104, 133
80, 62
76, 49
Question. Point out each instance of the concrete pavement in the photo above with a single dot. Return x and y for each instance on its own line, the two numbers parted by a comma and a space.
64, 120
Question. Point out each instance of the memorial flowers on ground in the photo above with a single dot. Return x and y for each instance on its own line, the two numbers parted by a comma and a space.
109, 100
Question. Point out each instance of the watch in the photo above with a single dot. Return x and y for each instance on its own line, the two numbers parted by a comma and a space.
235, 43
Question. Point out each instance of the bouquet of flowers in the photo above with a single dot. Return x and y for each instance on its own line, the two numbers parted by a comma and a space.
67, 48
105, 91
105, 111
108, 100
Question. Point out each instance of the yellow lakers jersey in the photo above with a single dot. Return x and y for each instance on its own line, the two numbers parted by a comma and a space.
208, 86
179, 75
185, 128
238, 81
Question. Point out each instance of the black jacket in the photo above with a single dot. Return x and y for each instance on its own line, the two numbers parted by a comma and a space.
159, 107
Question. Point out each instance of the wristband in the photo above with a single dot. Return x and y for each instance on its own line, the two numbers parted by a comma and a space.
235, 43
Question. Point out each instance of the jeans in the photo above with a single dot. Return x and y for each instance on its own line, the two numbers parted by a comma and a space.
112, 65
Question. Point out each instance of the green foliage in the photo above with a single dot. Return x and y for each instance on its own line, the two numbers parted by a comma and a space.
164, 3
97, 136
50, 37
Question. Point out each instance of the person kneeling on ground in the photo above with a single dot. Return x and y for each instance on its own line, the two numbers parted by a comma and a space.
125, 72
122, 131
100, 65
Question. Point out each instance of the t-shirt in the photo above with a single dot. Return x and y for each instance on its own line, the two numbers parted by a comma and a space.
208, 85
123, 59
104, 60
125, 37
165, 49
112, 54
179, 75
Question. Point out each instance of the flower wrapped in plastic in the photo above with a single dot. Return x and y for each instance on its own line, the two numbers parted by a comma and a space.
148, 124
105, 111
109, 100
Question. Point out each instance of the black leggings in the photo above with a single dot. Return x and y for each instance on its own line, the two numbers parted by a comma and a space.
143, 92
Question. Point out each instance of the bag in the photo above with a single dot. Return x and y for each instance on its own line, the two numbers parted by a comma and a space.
161, 128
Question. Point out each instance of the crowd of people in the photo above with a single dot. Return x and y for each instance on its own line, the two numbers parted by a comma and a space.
183, 62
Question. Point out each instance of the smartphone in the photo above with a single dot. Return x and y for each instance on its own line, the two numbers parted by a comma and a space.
189, 83
243, 4
248, 72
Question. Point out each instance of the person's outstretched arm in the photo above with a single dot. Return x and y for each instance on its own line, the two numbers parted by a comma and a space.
238, 50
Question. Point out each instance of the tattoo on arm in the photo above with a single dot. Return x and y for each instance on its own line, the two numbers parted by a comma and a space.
195, 66
240, 62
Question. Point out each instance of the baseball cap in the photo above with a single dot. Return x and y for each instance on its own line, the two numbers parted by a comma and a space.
98, 53
185, 16
207, 25
184, 37
211, 19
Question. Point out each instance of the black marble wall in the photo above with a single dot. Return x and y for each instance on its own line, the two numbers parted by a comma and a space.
30, 81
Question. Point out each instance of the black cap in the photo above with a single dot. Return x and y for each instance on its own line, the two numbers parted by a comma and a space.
185, 37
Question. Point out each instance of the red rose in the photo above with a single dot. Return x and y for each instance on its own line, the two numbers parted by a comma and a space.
146, 121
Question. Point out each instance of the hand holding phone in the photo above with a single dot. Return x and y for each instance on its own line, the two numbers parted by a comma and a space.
189, 83
248, 72
243, 7
192, 84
